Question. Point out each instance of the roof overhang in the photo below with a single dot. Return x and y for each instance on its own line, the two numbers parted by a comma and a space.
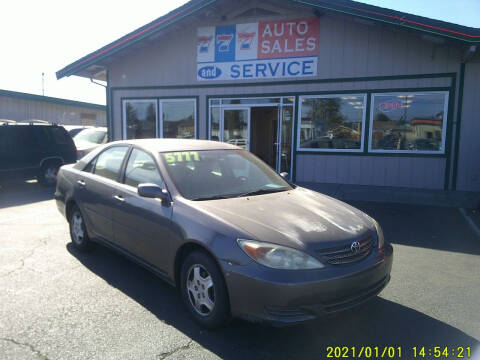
95, 64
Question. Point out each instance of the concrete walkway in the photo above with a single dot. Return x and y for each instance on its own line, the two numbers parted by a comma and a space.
397, 195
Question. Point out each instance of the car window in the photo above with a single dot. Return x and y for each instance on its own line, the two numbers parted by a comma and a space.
40, 136
141, 168
60, 136
109, 162
91, 166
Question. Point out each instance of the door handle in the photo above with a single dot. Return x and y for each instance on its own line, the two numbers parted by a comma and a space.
119, 198
81, 182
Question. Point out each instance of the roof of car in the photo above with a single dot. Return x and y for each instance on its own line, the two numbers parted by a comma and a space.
166, 145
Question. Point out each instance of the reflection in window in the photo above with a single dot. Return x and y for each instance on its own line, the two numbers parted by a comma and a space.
140, 169
110, 161
334, 123
235, 127
215, 124
140, 119
285, 157
408, 122
178, 119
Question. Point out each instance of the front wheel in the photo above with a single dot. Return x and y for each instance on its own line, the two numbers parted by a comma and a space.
204, 291
48, 174
78, 230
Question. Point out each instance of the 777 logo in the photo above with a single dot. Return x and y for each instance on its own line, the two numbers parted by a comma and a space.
223, 42
246, 40
204, 43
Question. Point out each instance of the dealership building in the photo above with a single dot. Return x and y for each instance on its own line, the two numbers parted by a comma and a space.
330, 91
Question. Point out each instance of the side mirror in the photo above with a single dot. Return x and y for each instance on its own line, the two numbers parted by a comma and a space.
284, 175
154, 191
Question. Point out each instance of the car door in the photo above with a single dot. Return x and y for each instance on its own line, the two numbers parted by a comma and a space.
142, 226
95, 190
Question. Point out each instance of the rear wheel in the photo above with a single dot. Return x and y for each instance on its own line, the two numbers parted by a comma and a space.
203, 290
48, 173
78, 230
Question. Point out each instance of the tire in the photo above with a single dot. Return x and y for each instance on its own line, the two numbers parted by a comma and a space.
47, 175
78, 230
212, 308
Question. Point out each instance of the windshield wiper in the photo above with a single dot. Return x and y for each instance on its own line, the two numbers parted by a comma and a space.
262, 191
214, 197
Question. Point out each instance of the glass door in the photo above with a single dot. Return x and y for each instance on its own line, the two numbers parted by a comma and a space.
236, 127
285, 137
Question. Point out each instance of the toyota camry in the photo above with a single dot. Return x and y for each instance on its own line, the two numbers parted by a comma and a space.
236, 238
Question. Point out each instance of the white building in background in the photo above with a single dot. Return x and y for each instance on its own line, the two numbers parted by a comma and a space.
24, 107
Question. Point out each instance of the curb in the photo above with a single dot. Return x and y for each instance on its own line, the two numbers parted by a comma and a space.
473, 225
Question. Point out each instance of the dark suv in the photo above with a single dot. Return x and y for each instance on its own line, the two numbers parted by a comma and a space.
34, 150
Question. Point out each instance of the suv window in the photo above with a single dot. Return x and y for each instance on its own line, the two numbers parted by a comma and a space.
40, 136
60, 136
141, 168
109, 162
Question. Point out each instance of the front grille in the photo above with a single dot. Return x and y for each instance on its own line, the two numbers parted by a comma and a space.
288, 314
343, 254
356, 299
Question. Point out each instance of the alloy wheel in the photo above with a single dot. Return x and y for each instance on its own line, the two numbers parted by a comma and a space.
200, 289
50, 174
78, 233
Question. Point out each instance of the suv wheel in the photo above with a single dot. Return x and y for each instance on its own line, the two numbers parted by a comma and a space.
203, 290
48, 174
78, 230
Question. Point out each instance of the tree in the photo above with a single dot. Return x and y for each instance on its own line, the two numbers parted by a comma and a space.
326, 114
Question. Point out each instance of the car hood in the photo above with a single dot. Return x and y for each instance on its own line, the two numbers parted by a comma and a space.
299, 218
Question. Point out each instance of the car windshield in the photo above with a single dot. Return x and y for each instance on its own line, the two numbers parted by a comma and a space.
91, 135
220, 174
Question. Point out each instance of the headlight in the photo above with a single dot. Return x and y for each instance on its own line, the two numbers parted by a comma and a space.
381, 240
277, 256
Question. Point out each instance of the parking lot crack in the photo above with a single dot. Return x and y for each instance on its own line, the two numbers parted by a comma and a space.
31, 347
43, 242
167, 354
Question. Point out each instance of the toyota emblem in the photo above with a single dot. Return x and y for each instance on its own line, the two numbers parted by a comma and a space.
355, 247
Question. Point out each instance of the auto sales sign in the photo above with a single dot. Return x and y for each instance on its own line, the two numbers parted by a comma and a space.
264, 50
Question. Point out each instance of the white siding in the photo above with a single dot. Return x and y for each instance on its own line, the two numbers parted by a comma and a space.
469, 149
21, 109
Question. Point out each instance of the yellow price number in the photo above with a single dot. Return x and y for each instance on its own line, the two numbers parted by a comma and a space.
181, 156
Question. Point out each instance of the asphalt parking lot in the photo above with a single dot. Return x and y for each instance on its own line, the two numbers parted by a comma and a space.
57, 303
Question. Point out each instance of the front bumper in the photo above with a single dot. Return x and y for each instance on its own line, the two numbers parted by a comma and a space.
282, 297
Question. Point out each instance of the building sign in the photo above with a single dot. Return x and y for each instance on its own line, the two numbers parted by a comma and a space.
386, 106
265, 50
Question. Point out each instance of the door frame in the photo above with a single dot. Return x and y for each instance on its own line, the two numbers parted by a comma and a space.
280, 106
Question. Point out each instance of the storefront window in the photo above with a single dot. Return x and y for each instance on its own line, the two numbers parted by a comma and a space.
178, 117
408, 122
140, 118
332, 123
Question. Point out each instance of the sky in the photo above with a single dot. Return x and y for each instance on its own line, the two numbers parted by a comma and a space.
45, 36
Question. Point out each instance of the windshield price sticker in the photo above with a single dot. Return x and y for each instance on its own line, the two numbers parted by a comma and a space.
181, 156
